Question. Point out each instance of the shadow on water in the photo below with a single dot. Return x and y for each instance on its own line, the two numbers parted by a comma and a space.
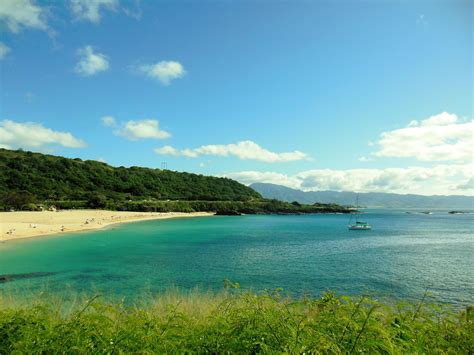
84, 277
23, 276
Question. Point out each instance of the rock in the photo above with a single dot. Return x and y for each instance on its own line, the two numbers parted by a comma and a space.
228, 213
4, 278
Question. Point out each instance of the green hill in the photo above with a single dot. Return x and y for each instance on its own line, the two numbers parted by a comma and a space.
28, 179
48, 177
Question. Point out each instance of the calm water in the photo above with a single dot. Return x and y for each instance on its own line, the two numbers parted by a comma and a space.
403, 255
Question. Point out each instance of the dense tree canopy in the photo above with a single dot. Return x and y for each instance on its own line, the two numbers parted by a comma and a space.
57, 178
28, 180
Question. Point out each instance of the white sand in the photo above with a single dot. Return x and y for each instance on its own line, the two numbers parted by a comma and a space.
17, 225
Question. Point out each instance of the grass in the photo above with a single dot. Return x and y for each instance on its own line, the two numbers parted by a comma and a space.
232, 321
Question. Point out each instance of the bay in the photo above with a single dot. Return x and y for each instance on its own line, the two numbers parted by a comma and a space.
402, 256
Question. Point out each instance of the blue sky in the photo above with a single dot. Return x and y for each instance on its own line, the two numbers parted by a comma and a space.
311, 94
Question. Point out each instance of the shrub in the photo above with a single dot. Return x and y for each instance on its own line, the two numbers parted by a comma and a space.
31, 207
234, 322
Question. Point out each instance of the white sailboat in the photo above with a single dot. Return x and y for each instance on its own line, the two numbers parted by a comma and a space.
358, 225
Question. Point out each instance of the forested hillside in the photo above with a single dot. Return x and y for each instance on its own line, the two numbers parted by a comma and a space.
57, 178
31, 181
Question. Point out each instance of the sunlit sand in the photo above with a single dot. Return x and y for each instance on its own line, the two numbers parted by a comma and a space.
17, 225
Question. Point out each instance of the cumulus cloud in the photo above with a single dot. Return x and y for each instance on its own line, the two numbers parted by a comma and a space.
164, 71
245, 150
89, 10
250, 177
143, 129
4, 50
440, 179
19, 14
167, 150
467, 185
33, 135
108, 121
91, 63
443, 137
136, 130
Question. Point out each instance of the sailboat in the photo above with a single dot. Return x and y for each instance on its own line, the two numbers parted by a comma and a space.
358, 225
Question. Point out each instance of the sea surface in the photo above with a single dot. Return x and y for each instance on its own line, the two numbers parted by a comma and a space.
404, 254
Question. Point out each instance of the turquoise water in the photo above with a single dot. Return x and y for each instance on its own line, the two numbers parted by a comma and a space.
402, 256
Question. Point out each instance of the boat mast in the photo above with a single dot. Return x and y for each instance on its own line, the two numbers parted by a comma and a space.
357, 208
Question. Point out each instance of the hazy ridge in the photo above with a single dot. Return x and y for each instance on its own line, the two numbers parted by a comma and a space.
369, 199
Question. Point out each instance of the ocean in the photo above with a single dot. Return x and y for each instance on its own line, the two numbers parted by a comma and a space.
404, 255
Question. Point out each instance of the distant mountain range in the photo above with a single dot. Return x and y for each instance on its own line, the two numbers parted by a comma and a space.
369, 199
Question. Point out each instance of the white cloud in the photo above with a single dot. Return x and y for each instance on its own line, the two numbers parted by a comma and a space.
33, 135
91, 63
89, 10
245, 150
467, 185
189, 153
441, 119
4, 50
135, 13
164, 71
364, 159
19, 14
437, 138
440, 179
250, 177
149, 128
108, 121
166, 150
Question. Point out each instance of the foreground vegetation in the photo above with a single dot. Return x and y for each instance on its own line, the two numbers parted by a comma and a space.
32, 181
233, 322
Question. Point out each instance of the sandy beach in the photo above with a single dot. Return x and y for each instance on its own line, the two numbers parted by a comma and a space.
18, 225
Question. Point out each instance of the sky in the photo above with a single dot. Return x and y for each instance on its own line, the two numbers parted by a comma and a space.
315, 95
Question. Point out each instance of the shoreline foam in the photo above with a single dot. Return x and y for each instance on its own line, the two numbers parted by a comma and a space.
25, 224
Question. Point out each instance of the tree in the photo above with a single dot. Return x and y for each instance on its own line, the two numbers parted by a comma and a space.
16, 199
96, 200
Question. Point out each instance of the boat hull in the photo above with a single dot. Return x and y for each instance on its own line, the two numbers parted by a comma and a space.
359, 228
